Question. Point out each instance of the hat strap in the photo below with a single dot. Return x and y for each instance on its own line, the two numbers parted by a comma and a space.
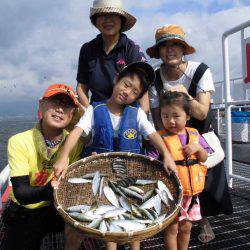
170, 36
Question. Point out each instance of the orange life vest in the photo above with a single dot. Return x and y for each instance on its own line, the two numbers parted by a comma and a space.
191, 172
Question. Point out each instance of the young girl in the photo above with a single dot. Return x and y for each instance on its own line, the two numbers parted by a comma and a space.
116, 123
188, 149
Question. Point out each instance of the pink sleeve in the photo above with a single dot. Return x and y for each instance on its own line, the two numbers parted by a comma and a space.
205, 145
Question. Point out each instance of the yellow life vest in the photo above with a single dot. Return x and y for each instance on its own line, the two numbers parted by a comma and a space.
191, 172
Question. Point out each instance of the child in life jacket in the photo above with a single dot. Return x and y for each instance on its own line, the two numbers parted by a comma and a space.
188, 149
116, 123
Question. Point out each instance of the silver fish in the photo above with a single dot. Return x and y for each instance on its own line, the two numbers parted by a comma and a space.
136, 189
121, 217
119, 166
103, 227
153, 213
91, 214
113, 213
129, 216
148, 195
129, 225
126, 182
91, 175
78, 208
95, 223
101, 186
144, 182
96, 183
110, 195
160, 219
78, 180
113, 186
162, 187
163, 195
149, 203
124, 203
157, 204
131, 193
135, 211
146, 213
81, 217
144, 221
103, 209
114, 228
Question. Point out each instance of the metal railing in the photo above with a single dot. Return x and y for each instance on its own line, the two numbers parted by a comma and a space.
4, 176
229, 102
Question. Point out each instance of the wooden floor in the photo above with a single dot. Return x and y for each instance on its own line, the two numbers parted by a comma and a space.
232, 232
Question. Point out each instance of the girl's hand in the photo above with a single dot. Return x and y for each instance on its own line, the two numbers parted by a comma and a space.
191, 148
60, 168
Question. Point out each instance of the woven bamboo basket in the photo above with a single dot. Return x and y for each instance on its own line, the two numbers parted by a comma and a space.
142, 167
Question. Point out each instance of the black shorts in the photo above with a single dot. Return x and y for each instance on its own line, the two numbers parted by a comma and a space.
25, 228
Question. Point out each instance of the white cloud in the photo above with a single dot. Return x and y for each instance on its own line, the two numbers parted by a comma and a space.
41, 40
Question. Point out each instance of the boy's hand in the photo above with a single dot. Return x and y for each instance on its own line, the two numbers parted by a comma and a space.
54, 182
169, 164
191, 148
60, 168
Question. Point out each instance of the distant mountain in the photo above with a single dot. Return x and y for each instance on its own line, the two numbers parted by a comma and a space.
18, 108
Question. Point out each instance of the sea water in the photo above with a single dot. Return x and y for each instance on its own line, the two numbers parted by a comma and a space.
10, 126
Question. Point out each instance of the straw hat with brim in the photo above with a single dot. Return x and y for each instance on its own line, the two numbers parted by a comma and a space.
169, 33
112, 7
144, 67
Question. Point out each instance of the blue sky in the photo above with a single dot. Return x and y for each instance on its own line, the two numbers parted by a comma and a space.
40, 40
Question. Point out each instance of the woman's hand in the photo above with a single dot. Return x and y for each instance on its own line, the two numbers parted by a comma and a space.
181, 88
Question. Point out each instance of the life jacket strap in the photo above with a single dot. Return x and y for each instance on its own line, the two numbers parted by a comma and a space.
187, 162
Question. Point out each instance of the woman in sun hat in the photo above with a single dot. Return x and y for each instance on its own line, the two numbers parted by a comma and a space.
176, 74
103, 57
195, 80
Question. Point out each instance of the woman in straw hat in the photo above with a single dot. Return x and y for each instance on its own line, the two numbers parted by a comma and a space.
102, 58
195, 80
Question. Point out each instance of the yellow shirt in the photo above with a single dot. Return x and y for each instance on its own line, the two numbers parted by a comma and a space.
27, 155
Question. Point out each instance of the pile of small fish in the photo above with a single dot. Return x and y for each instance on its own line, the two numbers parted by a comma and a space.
140, 211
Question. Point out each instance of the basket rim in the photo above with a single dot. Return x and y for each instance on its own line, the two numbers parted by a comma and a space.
98, 233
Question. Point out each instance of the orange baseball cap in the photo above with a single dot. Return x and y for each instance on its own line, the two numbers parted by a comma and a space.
60, 88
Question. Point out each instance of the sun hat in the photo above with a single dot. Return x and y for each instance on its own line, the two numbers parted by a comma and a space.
60, 88
115, 7
144, 67
169, 33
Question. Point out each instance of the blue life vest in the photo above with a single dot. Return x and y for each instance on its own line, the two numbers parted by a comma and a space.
128, 139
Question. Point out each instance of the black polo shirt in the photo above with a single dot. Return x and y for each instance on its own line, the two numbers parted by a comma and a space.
98, 69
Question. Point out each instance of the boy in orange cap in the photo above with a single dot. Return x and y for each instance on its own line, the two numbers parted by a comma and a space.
31, 155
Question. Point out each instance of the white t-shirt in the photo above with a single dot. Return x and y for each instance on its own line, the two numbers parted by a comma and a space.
86, 122
206, 83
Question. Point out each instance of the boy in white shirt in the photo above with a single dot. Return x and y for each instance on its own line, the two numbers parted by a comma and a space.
117, 122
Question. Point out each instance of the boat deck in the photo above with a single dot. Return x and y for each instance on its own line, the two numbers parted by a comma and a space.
231, 232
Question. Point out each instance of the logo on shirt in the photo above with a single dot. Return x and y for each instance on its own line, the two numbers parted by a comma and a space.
130, 133
41, 178
121, 64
